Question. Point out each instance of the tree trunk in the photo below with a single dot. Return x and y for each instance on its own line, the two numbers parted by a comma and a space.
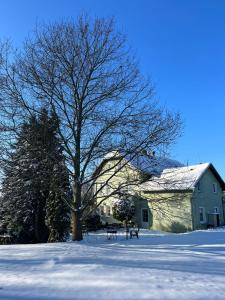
76, 227
76, 214
41, 231
127, 229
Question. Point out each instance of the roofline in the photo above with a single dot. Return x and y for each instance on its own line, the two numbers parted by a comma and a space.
168, 191
101, 165
209, 167
216, 174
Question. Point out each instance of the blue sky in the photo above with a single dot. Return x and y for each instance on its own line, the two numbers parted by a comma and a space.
180, 45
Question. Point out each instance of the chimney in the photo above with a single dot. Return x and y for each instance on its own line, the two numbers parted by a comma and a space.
144, 152
151, 153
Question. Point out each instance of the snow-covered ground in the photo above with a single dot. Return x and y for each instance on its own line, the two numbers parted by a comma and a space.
157, 266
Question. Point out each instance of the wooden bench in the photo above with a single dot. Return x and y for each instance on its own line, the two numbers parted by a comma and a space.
134, 232
111, 234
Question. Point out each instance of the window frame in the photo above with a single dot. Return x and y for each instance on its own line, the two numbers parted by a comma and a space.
142, 215
203, 214
215, 187
102, 210
108, 210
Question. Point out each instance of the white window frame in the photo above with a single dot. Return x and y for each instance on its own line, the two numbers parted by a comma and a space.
108, 210
204, 215
214, 187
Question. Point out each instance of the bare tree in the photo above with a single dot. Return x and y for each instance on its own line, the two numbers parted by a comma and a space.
85, 73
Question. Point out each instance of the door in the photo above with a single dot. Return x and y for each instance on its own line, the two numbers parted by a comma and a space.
216, 217
217, 220
145, 218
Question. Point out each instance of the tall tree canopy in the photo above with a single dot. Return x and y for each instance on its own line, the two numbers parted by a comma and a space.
88, 76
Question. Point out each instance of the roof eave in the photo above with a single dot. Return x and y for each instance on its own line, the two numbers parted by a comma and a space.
168, 191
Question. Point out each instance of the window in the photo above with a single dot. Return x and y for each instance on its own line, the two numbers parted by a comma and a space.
101, 210
108, 210
202, 216
108, 190
214, 187
129, 188
145, 215
125, 189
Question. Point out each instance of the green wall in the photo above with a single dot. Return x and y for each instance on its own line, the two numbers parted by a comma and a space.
206, 198
170, 211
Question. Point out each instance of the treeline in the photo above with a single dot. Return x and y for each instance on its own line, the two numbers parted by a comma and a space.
35, 187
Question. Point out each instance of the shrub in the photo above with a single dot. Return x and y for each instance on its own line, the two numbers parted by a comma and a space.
123, 210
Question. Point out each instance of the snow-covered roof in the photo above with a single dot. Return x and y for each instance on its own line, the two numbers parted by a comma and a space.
166, 174
146, 163
153, 164
181, 178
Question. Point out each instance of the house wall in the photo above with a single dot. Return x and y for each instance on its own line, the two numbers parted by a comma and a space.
170, 211
126, 175
207, 199
223, 205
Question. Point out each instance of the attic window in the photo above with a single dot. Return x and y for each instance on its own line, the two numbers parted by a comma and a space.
214, 187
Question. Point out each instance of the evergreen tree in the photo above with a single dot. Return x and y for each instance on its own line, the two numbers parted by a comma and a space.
19, 189
30, 174
57, 212
123, 210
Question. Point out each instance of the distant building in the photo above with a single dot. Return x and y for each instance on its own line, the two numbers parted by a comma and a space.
167, 195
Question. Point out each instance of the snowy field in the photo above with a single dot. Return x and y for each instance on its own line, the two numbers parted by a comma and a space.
157, 266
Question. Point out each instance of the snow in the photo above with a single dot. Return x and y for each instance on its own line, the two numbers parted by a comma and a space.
153, 164
147, 163
156, 266
182, 178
